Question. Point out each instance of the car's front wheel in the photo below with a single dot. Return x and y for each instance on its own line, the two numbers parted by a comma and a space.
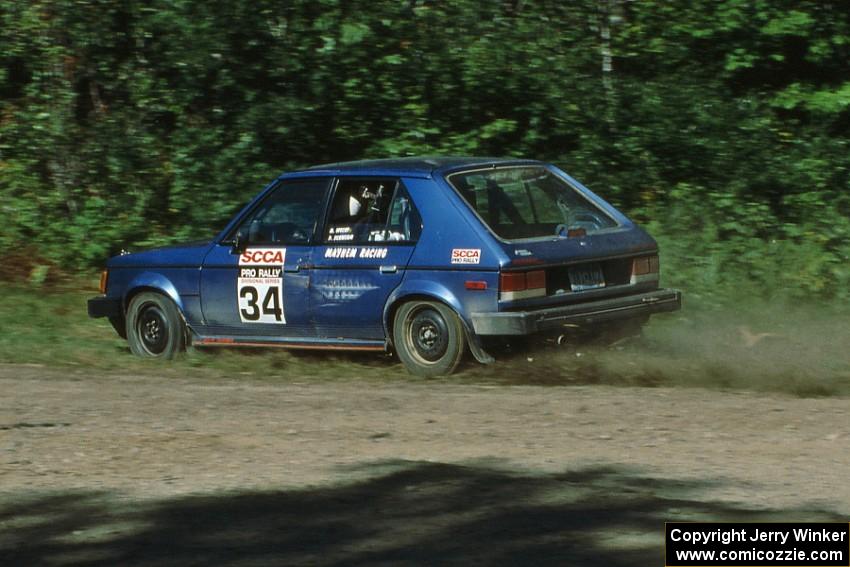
428, 338
155, 328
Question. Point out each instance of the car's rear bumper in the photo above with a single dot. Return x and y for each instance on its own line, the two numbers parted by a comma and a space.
105, 307
532, 321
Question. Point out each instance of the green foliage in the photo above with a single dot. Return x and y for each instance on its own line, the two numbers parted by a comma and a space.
125, 124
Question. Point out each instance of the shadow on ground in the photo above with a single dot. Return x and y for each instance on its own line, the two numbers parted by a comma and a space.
402, 514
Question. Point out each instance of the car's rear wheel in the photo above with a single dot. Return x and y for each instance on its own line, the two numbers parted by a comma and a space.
428, 338
155, 328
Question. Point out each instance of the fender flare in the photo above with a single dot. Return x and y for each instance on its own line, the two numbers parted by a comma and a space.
152, 281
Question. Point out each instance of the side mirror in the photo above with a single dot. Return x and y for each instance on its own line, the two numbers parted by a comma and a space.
240, 241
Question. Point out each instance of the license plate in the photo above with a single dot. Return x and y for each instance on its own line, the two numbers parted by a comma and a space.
587, 276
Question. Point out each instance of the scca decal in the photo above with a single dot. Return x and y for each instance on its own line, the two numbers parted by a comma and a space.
261, 257
466, 255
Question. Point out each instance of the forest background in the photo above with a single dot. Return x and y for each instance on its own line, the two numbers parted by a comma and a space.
722, 127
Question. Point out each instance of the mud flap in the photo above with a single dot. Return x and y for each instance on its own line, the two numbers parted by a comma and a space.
477, 349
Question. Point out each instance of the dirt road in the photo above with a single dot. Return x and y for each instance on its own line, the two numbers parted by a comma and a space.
371, 472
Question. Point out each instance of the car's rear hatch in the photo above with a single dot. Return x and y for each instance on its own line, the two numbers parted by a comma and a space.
582, 268
564, 244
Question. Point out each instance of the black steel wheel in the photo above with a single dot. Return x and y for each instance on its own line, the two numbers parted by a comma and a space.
155, 328
428, 337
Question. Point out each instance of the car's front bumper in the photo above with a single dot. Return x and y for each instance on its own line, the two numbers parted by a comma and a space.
105, 307
532, 321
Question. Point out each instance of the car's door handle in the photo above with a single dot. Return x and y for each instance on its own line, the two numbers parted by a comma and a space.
295, 268
388, 269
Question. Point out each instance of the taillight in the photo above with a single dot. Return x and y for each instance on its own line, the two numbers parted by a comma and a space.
104, 279
522, 285
644, 269
536, 280
512, 281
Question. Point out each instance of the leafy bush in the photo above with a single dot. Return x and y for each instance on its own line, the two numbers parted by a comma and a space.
723, 125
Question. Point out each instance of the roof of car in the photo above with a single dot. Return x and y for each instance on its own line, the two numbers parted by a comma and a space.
410, 166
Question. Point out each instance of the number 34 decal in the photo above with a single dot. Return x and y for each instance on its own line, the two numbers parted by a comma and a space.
259, 287
251, 309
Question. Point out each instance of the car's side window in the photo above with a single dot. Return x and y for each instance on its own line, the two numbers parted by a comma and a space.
372, 210
288, 215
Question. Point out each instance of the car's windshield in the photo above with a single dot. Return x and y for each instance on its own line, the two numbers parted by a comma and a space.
528, 202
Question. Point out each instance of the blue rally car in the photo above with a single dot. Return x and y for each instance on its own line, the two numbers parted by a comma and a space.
422, 256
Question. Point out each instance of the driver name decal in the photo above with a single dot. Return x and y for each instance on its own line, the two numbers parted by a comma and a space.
259, 287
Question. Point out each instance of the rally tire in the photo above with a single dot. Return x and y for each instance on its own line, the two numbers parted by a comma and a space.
429, 338
155, 328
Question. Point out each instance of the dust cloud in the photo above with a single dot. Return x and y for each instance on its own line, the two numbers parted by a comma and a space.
801, 350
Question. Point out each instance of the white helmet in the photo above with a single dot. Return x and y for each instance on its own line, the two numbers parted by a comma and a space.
354, 206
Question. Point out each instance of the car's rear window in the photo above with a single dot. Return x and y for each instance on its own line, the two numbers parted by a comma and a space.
528, 202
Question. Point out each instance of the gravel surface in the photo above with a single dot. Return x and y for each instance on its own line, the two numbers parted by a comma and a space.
148, 440
154, 437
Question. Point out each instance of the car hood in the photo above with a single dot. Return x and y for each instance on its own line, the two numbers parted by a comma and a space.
188, 254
